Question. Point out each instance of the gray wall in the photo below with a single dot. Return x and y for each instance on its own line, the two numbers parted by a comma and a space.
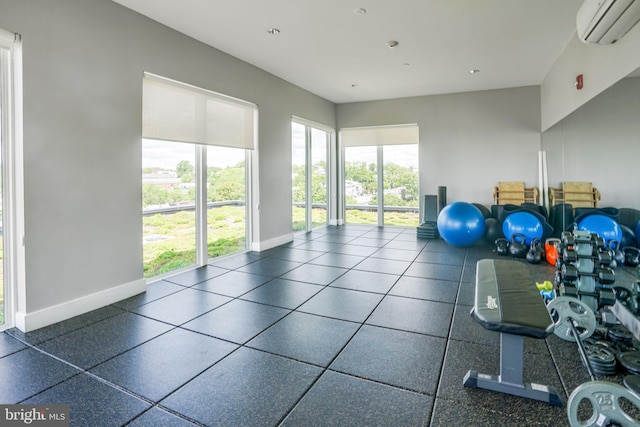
601, 66
600, 143
468, 141
83, 67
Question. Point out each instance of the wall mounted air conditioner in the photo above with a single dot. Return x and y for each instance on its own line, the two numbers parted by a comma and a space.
606, 21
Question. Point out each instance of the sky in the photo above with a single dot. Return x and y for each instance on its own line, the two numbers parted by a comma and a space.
166, 155
406, 156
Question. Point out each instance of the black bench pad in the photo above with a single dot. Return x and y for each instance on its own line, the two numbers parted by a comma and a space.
507, 301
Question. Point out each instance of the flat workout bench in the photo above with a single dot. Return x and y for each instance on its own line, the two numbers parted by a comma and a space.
506, 301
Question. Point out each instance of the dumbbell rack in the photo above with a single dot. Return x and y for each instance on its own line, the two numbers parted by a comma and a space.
582, 269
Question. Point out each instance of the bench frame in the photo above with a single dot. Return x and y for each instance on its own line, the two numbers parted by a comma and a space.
511, 378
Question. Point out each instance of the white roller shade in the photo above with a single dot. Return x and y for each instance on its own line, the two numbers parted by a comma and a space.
7, 38
379, 135
173, 111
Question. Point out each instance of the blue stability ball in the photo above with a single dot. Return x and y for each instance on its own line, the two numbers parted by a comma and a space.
603, 225
524, 223
461, 224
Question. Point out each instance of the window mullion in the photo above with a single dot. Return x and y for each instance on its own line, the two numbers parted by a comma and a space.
380, 174
308, 178
202, 255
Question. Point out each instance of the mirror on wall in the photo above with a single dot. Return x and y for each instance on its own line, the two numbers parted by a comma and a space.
593, 155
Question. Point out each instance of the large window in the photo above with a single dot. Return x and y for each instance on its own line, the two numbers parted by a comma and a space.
310, 175
168, 206
226, 200
381, 175
11, 178
195, 167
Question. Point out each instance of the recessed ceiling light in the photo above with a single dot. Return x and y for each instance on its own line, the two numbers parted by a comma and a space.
273, 31
391, 44
360, 11
406, 64
354, 85
474, 71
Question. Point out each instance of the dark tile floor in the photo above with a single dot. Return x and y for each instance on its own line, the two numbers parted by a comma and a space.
345, 326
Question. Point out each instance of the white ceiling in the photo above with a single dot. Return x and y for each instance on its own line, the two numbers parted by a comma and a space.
326, 48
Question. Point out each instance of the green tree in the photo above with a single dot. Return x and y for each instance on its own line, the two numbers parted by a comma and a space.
185, 171
364, 174
226, 184
154, 195
298, 185
396, 176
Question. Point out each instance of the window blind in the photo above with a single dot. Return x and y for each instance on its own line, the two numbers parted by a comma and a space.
379, 135
7, 38
173, 111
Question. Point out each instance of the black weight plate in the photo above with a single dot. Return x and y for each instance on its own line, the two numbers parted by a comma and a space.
620, 333
630, 361
602, 367
608, 372
600, 355
599, 334
632, 382
624, 347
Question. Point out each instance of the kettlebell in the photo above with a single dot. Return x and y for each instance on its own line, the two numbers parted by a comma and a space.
534, 255
551, 250
517, 247
631, 256
618, 255
502, 246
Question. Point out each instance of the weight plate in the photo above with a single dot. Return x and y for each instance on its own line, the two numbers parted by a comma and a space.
619, 333
632, 382
605, 402
622, 347
600, 355
630, 360
565, 309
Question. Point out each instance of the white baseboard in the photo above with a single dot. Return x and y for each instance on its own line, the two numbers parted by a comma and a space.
28, 322
271, 243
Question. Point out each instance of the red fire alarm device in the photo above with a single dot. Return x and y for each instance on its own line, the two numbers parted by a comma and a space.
579, 83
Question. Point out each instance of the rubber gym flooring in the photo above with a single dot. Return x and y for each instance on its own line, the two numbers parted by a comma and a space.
346, 326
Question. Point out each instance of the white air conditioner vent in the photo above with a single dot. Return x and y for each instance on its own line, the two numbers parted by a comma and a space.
606, 21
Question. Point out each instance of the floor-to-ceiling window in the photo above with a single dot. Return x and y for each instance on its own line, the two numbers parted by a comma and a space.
195, 182
168, 206
11, 181
381, 175
310, 174
400, 185
226, 200
361, 184
298, 177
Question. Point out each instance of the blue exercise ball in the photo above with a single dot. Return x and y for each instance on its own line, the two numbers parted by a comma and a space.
602, 225
524, 223
461, 224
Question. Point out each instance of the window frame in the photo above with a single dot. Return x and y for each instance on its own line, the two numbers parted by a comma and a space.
13, 182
